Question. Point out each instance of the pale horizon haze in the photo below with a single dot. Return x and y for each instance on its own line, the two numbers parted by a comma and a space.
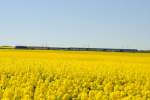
76, 23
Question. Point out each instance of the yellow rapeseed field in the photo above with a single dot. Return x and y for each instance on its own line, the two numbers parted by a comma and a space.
73, 75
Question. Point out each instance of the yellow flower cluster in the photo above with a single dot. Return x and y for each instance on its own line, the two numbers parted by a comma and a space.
73, 75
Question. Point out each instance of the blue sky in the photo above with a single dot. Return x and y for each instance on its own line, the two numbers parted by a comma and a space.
76, 23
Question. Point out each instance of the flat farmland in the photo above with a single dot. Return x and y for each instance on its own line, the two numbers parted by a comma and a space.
74, 75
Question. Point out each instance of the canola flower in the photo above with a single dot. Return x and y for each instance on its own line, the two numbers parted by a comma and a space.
73, 75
